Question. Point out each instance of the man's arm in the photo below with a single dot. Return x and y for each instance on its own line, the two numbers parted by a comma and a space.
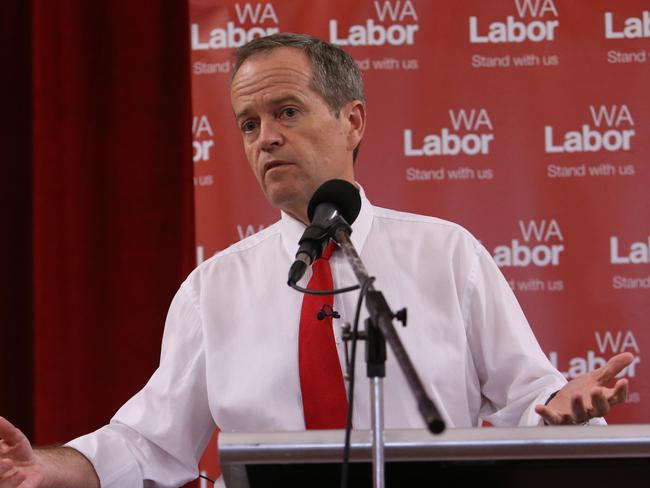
21, 466
588, 396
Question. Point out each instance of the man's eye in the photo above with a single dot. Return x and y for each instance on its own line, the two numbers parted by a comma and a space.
289, 112
248, 126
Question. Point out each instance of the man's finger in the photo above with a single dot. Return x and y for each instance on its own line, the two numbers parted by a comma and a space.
543, 412
567, 419
614, 366
9, 475
620, 392
599, 402
549, 416
10, 434
578, 408
29, 483
5, 465
14, 479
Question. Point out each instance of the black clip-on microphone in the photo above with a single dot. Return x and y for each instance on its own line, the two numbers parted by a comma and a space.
327, 311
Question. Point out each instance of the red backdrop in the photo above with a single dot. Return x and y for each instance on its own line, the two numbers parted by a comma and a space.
524, 120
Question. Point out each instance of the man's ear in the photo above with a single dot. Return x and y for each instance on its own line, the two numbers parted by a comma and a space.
355, 114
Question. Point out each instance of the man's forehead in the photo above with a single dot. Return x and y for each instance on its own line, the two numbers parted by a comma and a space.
273, 78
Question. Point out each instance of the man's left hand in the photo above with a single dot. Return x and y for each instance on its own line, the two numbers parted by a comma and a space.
588, 396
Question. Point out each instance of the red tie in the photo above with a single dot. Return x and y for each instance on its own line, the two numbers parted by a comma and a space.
321, 381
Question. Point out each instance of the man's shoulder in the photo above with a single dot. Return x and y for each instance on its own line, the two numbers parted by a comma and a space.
261, 243
250, 243
390, 217
232, 271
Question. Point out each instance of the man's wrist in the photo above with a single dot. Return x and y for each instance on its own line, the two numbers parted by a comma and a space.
66, 467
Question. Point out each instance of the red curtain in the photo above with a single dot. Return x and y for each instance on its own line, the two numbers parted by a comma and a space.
16, 358
99, 224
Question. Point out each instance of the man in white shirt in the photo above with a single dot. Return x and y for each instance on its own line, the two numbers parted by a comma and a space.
229, 350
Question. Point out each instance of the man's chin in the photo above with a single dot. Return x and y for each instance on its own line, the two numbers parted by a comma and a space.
292, 202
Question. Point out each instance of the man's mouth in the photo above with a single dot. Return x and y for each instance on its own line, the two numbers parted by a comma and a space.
274, 164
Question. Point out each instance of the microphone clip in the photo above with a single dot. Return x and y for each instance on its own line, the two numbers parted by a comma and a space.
327, 311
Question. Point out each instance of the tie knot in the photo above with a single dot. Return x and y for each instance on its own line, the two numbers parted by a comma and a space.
329, 249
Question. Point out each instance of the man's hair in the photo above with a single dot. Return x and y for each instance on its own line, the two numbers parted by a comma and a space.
335, 76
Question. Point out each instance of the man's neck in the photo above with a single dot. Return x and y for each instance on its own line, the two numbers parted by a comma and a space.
299, 216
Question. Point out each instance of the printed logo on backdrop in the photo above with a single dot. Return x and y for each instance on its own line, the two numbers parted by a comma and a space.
607, 343
539, 244
202, 145
632, 257
392, 23
469, 134
251, 21
608, 130
532, 22
618, 26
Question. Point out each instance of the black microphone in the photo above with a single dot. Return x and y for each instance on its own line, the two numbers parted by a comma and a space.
334, 203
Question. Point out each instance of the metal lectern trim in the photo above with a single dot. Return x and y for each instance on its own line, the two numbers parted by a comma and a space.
326, 446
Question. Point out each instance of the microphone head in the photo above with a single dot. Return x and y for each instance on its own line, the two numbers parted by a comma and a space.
340, 193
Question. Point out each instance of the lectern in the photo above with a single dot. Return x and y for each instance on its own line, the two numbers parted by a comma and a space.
530, 456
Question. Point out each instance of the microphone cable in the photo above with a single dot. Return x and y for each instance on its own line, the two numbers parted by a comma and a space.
206, 478
324, 292
336, 291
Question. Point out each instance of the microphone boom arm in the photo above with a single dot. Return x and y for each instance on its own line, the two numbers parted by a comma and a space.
382, 316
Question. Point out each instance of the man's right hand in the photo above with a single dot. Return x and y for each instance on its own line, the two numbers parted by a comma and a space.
19, 464
23, 467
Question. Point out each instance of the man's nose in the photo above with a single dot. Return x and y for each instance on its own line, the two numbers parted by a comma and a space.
270, 136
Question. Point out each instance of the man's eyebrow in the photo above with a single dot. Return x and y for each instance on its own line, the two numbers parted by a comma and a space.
274, 102
243, 113
287, 98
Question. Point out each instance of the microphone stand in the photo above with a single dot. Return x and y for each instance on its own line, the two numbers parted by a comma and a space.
379, 329
376, 371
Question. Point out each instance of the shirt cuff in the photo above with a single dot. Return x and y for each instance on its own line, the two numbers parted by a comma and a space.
108, 452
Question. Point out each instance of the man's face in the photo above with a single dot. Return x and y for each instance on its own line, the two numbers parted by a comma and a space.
293, 141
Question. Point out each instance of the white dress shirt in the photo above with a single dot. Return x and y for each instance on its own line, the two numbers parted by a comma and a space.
230, 347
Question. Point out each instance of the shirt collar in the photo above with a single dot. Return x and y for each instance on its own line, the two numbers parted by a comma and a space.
292, 229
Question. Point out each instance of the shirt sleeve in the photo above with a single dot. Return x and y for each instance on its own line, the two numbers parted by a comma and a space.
514, 373
158, 437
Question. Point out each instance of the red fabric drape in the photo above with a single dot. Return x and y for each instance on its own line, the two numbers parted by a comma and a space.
112, 201
16, 359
